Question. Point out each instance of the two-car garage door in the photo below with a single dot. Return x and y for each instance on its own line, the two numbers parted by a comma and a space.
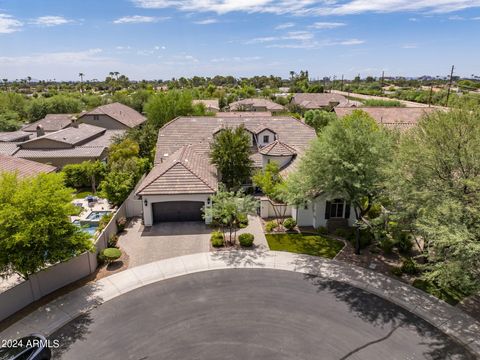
177, 211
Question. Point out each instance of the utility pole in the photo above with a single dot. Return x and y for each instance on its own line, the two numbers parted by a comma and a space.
450, 84
341, 87
430, 97
383, 79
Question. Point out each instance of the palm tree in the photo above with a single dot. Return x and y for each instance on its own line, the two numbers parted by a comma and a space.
81, 81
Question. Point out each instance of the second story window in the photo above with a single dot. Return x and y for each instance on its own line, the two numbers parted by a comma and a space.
266, 138
96, 117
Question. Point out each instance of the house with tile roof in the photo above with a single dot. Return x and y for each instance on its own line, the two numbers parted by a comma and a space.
115, 116
182, 180
50, 123
22, 167
398, 118
72, 145
211, 105
313, 101
255, 104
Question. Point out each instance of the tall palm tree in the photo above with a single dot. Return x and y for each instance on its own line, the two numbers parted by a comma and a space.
81, 81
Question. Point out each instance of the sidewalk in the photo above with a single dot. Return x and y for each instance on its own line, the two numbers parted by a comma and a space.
57, 313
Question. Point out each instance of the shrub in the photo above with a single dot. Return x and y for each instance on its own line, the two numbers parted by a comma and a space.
242, 221
217, 239
111, 254
112, 242
396, 270
386, 244
105, 219
341, 233
289, 223
270, 226
409, 266
322, 230
404, 243
121, 223
246, 239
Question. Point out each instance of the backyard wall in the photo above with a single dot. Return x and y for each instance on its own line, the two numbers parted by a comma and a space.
267, 211
59, 275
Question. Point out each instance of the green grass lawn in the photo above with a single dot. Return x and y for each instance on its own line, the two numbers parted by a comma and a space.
82, 193
309, 244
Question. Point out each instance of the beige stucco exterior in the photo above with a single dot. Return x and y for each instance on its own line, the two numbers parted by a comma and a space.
103, 121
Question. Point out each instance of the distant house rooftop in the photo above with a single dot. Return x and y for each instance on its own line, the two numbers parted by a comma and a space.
392, 117
24, 168
210, 104
247, 104
50, 123
119, 112
14, 136
311, 101
244, 114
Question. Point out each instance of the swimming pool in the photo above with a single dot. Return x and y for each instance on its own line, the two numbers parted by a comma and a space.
90, 228
97, 215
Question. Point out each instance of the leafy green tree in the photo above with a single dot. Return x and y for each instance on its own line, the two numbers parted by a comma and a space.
9, 121
230, 153
166, 106
346, 160
434, 190
273, 186
318, 119
87, 173
35, 228
228, 209
58, 104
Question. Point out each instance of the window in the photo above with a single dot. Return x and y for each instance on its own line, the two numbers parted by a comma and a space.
266, 138
96, 117
334, 209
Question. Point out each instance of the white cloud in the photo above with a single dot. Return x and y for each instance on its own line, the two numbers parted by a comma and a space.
412, 19
90, 56
327, 25
138, 19
456, 18
158, 47
476, 18
8, 24
48, 21
206, 22
310, 7
238, 59
317, 44
128, 47
410, 46
284, 26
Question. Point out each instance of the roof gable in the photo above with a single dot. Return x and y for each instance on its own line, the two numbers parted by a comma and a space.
71, 136
278, 148
51, 122
119, 112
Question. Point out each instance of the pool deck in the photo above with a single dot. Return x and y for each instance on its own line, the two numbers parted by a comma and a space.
100, 205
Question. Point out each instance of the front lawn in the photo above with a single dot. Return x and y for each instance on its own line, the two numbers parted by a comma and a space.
309, 244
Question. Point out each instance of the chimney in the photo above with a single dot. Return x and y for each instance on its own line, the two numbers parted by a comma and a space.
74, 122
40, 131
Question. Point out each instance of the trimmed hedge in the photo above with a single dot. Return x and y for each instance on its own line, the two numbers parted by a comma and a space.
246, 239
270, 226
217, 239
289, 223
111, 254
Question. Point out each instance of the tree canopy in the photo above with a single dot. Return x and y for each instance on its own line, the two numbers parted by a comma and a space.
434, 187
35, 228
347, 160
318, 119
230, 153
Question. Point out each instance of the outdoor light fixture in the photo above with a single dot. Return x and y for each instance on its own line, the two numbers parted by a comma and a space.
145, 202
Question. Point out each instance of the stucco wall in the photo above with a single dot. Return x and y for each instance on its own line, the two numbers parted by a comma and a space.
148, 210
315, 215
267, 210
45, 144
280, 160
271, 137
104, 121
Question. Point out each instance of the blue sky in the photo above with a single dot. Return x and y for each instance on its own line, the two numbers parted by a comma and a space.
160, 39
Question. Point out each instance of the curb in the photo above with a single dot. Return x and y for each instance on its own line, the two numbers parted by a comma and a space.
448, 319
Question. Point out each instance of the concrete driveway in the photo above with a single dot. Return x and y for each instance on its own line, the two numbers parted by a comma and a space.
162, 241
167, 240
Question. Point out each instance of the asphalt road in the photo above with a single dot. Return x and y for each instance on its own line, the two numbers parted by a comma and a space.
251, 314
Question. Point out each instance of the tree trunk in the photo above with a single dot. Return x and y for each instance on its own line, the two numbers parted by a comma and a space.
357, 239
94, 187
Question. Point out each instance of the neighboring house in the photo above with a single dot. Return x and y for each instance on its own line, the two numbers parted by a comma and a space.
183, 179
256, 105
211, 105
23, 168
50, 123
400, 118
114, 116
75, 144
14, 136
313, 101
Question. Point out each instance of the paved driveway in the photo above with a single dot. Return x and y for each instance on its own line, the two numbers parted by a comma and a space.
252, 314
162, 241
167, 240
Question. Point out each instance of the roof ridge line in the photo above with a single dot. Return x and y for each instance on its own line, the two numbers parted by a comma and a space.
194, 173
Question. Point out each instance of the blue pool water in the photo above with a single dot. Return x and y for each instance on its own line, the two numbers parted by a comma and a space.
89, 228
97, 215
